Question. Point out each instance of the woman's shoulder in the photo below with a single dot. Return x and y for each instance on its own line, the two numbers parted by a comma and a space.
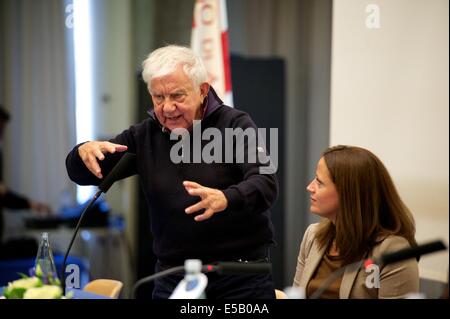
312, 229
310, 232
389, 243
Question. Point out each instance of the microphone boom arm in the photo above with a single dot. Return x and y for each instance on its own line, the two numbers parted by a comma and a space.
63, 270
119, 171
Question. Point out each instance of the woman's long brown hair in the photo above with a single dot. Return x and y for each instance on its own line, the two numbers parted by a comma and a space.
370, 205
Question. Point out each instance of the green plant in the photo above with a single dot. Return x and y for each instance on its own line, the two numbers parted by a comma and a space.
34, 287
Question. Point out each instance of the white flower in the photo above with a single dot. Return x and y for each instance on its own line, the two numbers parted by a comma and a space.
44, 292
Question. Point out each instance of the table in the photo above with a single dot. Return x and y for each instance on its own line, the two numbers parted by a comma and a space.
77, 294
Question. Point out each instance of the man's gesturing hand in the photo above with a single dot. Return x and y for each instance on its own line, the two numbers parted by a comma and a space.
91, 151
212, 200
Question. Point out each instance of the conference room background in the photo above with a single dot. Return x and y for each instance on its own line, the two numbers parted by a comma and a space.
334, 75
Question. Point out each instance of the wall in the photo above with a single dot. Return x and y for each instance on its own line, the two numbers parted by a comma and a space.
36, 90
389, 93
114, 93
299, 32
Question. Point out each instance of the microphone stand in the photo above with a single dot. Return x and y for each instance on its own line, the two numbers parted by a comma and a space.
63, 273
388, 258
331, 278
119, 171
219, 267
167, 272
163, 273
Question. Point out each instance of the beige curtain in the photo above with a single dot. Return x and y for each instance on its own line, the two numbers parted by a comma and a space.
37, 88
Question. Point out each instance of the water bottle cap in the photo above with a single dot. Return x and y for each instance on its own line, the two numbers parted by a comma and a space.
193, 265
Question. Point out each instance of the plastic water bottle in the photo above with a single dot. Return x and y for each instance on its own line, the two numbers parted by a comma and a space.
194, 283
44, 267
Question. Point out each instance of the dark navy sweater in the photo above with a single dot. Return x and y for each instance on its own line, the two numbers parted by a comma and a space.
241, 231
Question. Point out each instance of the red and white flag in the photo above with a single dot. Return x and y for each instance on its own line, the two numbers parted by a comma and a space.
209, 39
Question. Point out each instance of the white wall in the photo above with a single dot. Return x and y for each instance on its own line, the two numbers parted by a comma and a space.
389, 93
114, 93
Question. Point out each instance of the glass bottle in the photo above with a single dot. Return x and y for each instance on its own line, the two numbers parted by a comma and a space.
45, 264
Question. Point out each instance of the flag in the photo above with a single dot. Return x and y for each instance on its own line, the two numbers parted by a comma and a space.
209, 39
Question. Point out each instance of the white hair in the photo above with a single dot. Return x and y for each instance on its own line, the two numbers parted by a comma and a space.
165, 60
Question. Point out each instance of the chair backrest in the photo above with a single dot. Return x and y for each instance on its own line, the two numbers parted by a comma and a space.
280, 294
105, 287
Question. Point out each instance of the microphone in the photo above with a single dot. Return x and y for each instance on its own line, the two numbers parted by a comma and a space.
118, 172
219, 267
385, 259
412, 252
236, 268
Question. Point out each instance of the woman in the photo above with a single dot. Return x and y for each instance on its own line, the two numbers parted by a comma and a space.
363, 217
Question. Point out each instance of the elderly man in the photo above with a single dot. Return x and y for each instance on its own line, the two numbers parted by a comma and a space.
203, 209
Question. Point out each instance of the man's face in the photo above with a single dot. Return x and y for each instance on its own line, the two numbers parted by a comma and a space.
177, 103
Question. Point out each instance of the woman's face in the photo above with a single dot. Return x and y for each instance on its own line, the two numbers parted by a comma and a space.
324, 196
